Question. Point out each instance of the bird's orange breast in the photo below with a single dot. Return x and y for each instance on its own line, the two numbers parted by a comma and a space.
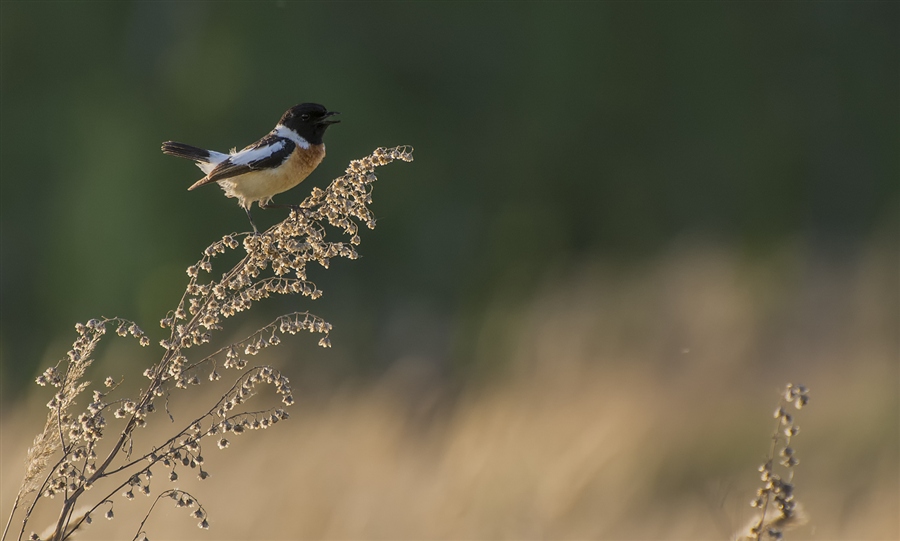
302, 162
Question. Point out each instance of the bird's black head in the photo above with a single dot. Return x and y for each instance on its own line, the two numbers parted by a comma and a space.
309, 120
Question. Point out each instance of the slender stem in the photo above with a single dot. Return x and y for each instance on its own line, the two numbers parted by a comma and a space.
11, 514
147, 516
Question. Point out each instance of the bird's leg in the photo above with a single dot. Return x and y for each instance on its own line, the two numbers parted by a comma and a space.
255, 231
271, 205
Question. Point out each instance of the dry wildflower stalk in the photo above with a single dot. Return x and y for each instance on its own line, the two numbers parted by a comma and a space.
66, 458
779, 510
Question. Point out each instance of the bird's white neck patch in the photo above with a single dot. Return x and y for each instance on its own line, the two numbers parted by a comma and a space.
283, 131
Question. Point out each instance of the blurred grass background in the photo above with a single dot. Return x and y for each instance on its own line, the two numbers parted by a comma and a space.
627, 226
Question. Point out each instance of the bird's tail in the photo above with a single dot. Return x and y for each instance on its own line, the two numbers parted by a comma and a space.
186, 151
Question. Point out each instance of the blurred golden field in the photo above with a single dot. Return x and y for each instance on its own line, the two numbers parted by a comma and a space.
632, 403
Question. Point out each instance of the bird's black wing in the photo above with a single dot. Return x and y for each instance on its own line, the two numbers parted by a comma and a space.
267, 153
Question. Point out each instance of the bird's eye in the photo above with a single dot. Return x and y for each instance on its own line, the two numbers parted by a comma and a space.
304, 116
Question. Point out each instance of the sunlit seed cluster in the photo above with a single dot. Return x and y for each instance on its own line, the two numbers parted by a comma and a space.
276, 261
77, 435
775, 498
182, 499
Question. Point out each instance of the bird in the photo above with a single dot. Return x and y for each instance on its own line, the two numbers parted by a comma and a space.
276, 163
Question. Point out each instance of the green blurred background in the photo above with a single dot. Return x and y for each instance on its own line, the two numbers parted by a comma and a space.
626, 222
546, 133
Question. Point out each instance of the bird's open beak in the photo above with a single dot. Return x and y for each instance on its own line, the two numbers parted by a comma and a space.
324, 120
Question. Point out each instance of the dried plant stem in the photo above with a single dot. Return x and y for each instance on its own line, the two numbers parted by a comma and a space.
63, 459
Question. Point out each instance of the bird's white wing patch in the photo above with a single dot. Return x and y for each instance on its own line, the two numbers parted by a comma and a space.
245, 157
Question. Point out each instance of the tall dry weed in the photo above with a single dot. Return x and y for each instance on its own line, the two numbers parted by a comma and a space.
78, 450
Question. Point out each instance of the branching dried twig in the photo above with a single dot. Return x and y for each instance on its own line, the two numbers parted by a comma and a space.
67, 457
